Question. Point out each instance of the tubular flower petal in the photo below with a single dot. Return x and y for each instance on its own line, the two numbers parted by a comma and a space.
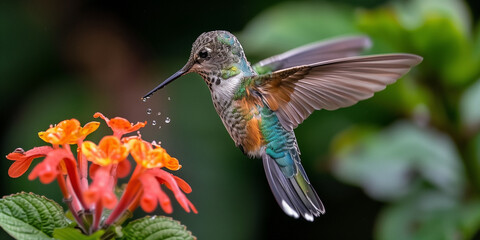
183, 185
146, 156
120, 126
171, 182
49, 168
23, 159
102, 189
123, 169
109, 151
153, 193
67, 132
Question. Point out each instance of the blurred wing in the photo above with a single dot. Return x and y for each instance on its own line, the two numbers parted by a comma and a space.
294, 93
313, 53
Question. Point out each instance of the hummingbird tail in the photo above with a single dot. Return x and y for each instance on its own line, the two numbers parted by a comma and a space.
294, 194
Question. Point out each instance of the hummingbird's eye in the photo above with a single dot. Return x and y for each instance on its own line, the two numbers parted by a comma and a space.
203, 54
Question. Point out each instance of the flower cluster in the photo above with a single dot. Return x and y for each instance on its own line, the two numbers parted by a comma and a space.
108, 162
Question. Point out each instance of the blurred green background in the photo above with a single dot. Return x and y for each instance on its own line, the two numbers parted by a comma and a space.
404, 164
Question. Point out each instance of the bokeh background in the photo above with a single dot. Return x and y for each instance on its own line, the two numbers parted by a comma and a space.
404, 164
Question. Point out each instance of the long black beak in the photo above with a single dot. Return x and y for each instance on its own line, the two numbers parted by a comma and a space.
176, 75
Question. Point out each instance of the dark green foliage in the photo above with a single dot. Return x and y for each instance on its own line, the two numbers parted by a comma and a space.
30, 216
161, 228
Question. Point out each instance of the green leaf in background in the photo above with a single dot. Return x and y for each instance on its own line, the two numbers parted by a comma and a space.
387, 164
156, 227
469, 107
75, 234
386, 31
446, 49
30, 216
440, 31
470, 218
290, 25
412, 13
428, 215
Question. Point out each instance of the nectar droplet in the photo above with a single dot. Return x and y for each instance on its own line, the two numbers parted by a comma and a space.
149, 110
154, 122
167, 120
144, 99
169, 98
159, 113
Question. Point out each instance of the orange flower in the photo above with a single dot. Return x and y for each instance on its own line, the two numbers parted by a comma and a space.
120, 126
109, 151
23, 159
149, 157
144, 187
68, 132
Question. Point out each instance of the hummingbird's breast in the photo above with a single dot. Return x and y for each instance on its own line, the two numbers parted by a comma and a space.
241, 117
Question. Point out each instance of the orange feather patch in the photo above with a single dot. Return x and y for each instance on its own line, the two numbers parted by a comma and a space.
254, 140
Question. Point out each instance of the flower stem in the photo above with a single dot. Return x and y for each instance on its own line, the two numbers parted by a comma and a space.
97, 216
75, 180
74, 212
133, 187
83, 166
63, 186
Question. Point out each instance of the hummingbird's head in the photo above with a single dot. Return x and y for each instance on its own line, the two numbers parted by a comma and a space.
211, 53
214, 51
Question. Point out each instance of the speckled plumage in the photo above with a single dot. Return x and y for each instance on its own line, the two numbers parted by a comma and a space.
260, 105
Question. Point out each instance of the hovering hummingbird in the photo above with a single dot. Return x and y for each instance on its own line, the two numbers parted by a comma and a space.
261, 104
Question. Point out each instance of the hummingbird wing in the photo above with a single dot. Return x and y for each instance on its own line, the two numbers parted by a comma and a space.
294, 93
313, 53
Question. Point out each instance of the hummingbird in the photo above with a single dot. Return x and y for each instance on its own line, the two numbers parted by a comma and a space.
261, 104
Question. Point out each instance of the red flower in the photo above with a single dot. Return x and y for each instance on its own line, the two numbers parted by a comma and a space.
109, 162
102, 189
49, 168
144, 185
24, 159
152, 192
120, 126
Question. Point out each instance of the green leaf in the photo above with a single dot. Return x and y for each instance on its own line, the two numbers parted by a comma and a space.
69, 233
156, 227
413, 13
385, 29
469, 108
30, 216
470, 218
426, 214
290, 25
388, 163
438, 30
448, 50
